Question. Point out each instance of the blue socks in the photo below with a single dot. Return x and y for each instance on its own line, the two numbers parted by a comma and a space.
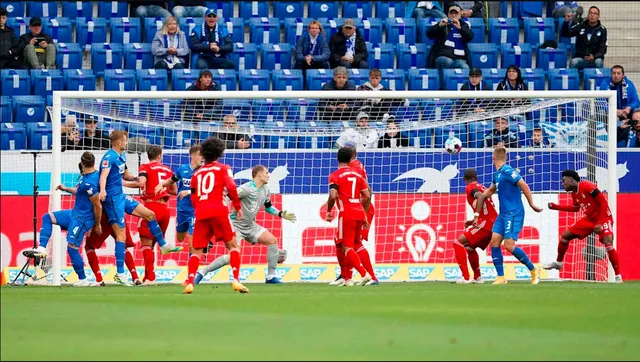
76, 262
120, 251
522, 256
46, 230
496, 255
156, 232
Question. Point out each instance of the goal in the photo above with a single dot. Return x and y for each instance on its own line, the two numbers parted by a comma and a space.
418, 189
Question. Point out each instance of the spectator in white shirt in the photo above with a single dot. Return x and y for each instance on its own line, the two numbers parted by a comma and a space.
361, 135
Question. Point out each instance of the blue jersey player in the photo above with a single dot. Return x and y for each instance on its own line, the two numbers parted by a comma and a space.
84, 216
508, 183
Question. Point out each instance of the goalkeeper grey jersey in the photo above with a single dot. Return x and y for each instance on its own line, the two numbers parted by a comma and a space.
252, 199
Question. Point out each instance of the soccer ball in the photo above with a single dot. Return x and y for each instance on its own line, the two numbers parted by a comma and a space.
453, 145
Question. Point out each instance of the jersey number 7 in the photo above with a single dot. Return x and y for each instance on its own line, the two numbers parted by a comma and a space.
353, 181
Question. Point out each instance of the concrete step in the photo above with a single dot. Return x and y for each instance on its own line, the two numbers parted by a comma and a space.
634, 77
630, 63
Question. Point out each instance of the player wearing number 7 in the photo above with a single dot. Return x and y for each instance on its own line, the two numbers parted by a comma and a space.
508, 183
597, 219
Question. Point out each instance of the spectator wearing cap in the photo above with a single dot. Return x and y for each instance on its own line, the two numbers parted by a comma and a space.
202, 109
591, 39
348, 48
170, 47
428, 9
213, 43
232, 137
94, 138
393, 138
469, 9
626, 90
312, 49
501, 135
149, 9
537, 139
361, 135
450, 36
37, 48
474, 83
338, 109
8, 44
189, 8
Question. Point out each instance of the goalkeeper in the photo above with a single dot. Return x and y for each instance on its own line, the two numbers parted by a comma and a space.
253, 195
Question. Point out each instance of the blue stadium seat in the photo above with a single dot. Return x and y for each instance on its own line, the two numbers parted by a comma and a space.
420, 138
437, 110
182, 79
105, 56
477, 131
125, 30
287, 79
152, 79
516, 54
45, 81
39, 136
15, 82
235, 27
454, 78
412, 56
286, 140
301, 110
478, 28
535, 78
166, 110
530, 8
14, 8
264, 30
331, 25
226, 79
391, 9
6, 109
288, 9
188, 25
504, 30
422, 26
19, 24
539, 30
138, 56
381, 55
268, 110
358, 76
294, 28
493, 76
60, 29
119, 80
316, 78
255, 79
244, 56
146, 130
91, 30
401, 30
484, 55
224, 9
132, 109
77, 9
178, 136
151, 26
317, 138
68, 56
593, 77
113, 9
28, 109
276, 56
393, 79
323, 9
550, 58
371, 29
443, 133
79, 79
13, 136
564, 79
253, 9
357, 9
569, 42
239, 108
407, 113
424, 79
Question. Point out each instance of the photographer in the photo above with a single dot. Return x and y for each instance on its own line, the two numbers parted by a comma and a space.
70, 134
629, 131
37, 48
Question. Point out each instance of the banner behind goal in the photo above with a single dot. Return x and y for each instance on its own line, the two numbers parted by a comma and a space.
417, 185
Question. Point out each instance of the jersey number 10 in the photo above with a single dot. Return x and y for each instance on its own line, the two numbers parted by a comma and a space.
205, 185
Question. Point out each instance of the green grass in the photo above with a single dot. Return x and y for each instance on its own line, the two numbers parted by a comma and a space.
301, 321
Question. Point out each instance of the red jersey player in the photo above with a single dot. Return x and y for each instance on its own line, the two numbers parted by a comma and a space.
586, 197
346, 188
208, 185
477, 233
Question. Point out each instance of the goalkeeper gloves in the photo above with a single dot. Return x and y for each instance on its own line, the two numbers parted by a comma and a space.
288, 215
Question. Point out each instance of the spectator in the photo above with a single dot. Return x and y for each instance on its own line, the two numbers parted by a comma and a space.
149, 9
213, 43
312, 49
428, 9
36, 47
627, 93
233, 139
338, 109
93, 138
591, 40
512, 80
475, 83
348, 48
170, 47
361, 136
202, 109
377, 107
470, 9
189, 8
70, 134
450, 37
8, 44
393, 137
562, 8
537, 140
501, 135
629, 131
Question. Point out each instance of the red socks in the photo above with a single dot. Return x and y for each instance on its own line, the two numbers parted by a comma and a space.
234, 262
474, 260
613, 259
344, 271
353, 261
363, 254
131, 265
192, 268
92, 258
562, 249
147, 255
461, 259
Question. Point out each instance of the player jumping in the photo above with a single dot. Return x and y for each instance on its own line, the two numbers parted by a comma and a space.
84, 216
478, 236
346, 188
508, 183
598, 220
212, 215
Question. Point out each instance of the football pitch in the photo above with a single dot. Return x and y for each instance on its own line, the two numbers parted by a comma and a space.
400, 321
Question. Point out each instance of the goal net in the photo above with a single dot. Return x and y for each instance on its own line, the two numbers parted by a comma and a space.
418, 188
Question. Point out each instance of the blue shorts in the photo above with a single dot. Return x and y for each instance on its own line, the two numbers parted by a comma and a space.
130, 204
114, 209
509, 226
185, 222
76, 229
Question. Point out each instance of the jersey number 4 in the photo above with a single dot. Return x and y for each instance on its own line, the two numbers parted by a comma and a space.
205, 185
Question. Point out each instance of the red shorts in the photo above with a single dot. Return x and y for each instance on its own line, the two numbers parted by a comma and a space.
478, 238
218, 228
95, 241
584, 227
163, 216
365, 232
349, 232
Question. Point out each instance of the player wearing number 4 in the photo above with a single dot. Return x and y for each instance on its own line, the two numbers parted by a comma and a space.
586, 197
254, 195
508, 183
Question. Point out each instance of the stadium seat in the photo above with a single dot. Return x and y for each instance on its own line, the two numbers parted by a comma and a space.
437, 109
77, 9
504, 30
268, 110
422, 26
539, 30
68, 56
286, 140
188, 25
15, 82
235, 27
19, 24
331, 25
550, 58
443, 133
146, 130
484, 55
105, 56
424, 79
152, 25
301, 110
13, 136
288, 9
138, 56
358, 76
516, 54
39, 136
119, 80
253, 9
535, 78
165, 110
530, 8
79, 79
357, 9
401, 30
294, 28
226, 79
45, 81
323, 9
381, 55
564, 79
264, 30
181, 79
454, 78
393, 79
287, 79
125, 30
60, 29
255, 79
276, 56
391, 9
412, 56
493, 76
152, 79
178, 136
28, 109
240, 108
371, 29
113, 9
478, 28
317, 138
135, 109
569, 42
316, 78
407, 113
6, 109
419, 137
14, 8
593, 77
90, 30
224, 9
477, 131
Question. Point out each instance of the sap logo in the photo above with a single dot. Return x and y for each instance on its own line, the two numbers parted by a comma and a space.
210, 275
452, 272
167, 275
278, 174
385, 272
419, 273
244, 274
280, 272
488, 272
434, 180
338, 271
311, 273
521, 272
65, 273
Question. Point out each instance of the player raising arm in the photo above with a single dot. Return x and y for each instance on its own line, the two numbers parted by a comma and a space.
212, 215
508, 183
255, 194
598, 220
